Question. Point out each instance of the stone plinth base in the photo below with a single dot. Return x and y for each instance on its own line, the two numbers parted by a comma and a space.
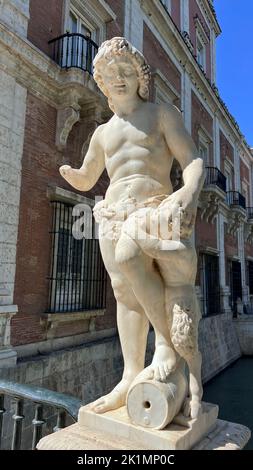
225, 436
113, 431
117, 424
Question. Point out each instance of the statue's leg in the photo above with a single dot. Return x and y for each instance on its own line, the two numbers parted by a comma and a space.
133, 328
149, 290
183, 308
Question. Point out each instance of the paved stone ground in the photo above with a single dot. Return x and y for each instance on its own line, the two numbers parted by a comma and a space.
232, 390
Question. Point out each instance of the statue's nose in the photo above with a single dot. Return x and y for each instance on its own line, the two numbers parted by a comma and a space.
119, 75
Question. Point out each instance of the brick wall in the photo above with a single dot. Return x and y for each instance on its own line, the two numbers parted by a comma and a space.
116, 28
194, 11
206, 234
248, 247
175, 12
158, 59
226, 151
231, 245
244, 171
40, 164
46, 21
201, 119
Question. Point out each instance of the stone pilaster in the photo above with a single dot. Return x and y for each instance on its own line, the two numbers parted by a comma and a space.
133, 28
14, 16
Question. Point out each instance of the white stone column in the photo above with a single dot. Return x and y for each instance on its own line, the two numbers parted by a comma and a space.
224, 289
216, 142
185, 22
186, 106
213, 56
133, 28
237, 169
241, 254
14, 15
251, 185
187, 100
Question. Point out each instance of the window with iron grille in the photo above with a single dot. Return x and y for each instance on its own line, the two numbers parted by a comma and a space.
78, 276
209, 278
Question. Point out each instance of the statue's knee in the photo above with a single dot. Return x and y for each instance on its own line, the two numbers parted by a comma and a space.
119, 289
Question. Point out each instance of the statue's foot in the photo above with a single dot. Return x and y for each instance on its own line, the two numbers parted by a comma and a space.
192, 407
115, 399
163, 363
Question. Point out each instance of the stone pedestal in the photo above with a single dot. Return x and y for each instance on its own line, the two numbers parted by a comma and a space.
117, 424
113, 431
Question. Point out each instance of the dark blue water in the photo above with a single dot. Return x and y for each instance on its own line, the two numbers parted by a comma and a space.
232, 390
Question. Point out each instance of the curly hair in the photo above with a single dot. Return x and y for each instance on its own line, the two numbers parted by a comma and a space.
121, 47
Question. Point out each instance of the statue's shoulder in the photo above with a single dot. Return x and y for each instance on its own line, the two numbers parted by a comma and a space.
169, 109
169, 113
99, 130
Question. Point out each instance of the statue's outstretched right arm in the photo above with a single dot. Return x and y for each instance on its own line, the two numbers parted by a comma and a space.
93, 165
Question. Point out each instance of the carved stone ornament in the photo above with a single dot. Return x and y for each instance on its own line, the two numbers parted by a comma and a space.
210, 206
235, 221
66, 118
248, 233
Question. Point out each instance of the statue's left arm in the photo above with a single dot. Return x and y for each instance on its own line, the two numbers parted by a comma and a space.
184, 150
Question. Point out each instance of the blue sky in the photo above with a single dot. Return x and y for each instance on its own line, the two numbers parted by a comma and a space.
235, 61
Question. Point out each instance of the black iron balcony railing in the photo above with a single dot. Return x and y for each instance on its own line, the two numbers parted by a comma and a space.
234, 198
214, 176
249, 212
37, 397
74, 50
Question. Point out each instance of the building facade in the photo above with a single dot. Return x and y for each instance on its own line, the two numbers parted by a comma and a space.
54, 292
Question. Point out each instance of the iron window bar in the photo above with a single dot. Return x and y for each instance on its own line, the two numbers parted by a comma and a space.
78, 278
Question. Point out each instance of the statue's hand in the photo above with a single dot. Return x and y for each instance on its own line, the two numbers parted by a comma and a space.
65, 170
184, 204
182, 198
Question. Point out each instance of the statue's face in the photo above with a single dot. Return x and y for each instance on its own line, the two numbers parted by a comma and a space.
120, 78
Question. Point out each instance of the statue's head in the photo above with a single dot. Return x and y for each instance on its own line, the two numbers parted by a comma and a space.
120, 69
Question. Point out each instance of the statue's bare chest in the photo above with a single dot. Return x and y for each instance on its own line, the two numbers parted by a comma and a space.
123, 135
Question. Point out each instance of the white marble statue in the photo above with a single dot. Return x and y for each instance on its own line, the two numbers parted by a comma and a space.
152, 277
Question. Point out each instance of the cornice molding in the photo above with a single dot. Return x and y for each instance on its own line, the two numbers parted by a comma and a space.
98, 10
211, 15
205, 37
